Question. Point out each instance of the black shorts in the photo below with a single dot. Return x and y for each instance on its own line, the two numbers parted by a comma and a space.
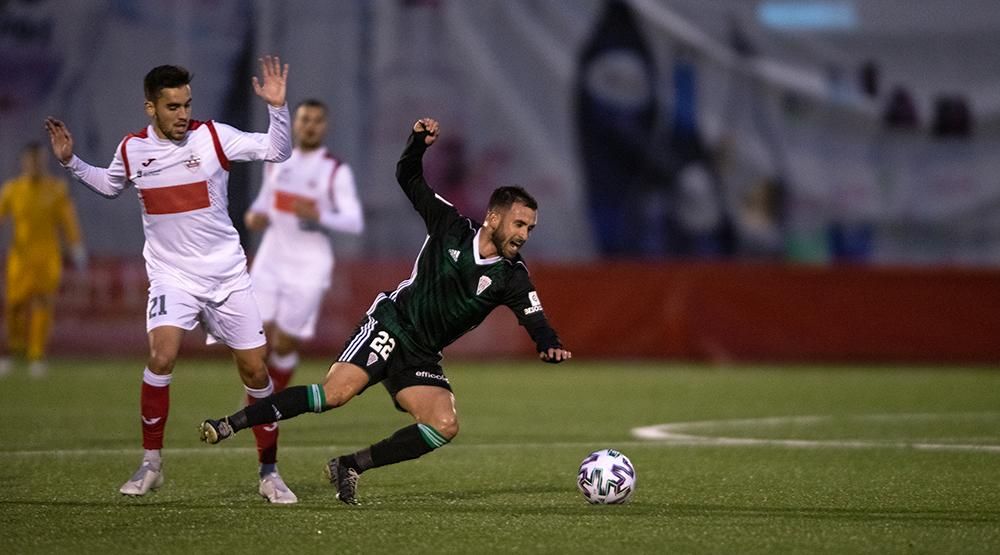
381, 355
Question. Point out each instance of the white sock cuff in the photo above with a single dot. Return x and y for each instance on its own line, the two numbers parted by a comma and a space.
283, 362
262, 392
156, 380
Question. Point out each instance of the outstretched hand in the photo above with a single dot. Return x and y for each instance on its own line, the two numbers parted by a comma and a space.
430, 126
61, 139
555, 355
275, 79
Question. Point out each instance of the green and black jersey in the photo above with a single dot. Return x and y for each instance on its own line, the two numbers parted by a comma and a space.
452, 289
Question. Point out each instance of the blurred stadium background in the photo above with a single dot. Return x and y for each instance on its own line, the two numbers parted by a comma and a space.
720, 180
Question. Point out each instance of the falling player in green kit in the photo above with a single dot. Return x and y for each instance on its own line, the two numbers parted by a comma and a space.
464, 271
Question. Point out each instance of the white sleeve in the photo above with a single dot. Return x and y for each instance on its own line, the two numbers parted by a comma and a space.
346, 216
273, 146
265, 196
108, 182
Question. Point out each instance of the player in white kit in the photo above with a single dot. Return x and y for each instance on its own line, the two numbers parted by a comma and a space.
301, 201
194, 261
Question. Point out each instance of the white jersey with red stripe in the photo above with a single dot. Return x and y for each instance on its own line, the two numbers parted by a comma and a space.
296, 251
190, 239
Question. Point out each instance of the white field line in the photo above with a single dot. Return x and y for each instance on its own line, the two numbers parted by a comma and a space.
328, 449
678, 433
658, 435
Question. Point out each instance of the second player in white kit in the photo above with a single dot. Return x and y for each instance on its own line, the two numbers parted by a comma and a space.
301, 202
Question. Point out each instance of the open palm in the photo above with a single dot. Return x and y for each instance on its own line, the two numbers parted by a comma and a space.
271, 86
61, 139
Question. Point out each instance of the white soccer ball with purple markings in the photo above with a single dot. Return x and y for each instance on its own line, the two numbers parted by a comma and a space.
606, 477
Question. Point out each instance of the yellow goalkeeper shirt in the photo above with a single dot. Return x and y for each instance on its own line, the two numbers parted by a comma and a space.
41, 211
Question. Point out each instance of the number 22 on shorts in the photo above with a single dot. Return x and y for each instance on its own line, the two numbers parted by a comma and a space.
383, 344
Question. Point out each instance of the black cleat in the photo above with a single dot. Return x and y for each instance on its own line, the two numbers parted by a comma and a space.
214, 431
344, 478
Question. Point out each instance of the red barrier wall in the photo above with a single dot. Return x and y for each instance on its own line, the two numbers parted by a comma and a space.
777, 312
694, 311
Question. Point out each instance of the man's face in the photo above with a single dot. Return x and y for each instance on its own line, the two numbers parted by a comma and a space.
512, 227
309, 127
171, 112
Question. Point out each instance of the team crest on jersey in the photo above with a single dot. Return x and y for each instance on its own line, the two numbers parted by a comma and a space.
484, 282
454, 254
372, 357
193, 162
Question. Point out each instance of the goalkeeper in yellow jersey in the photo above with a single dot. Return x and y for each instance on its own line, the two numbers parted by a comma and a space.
44, 219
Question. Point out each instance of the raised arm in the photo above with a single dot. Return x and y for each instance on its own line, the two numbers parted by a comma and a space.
108, 182
276, 144
434, 209
273, 146
271, 87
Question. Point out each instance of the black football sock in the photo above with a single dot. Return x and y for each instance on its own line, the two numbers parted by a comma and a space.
407, 443
280, 406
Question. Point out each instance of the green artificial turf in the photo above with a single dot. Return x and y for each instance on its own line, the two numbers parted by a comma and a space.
507, 482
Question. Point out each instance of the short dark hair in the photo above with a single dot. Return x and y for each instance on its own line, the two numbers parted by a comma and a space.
505, 197
164, 77
312, 103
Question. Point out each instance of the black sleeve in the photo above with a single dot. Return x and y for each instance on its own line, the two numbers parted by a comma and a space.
523, 300
436, 212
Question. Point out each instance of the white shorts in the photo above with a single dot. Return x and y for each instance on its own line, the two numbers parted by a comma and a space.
235, 321
294, 309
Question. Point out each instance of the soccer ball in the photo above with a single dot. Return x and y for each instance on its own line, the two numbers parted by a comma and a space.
606, 477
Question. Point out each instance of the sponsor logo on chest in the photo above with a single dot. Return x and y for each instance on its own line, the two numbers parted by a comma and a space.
148, 171
192, 163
